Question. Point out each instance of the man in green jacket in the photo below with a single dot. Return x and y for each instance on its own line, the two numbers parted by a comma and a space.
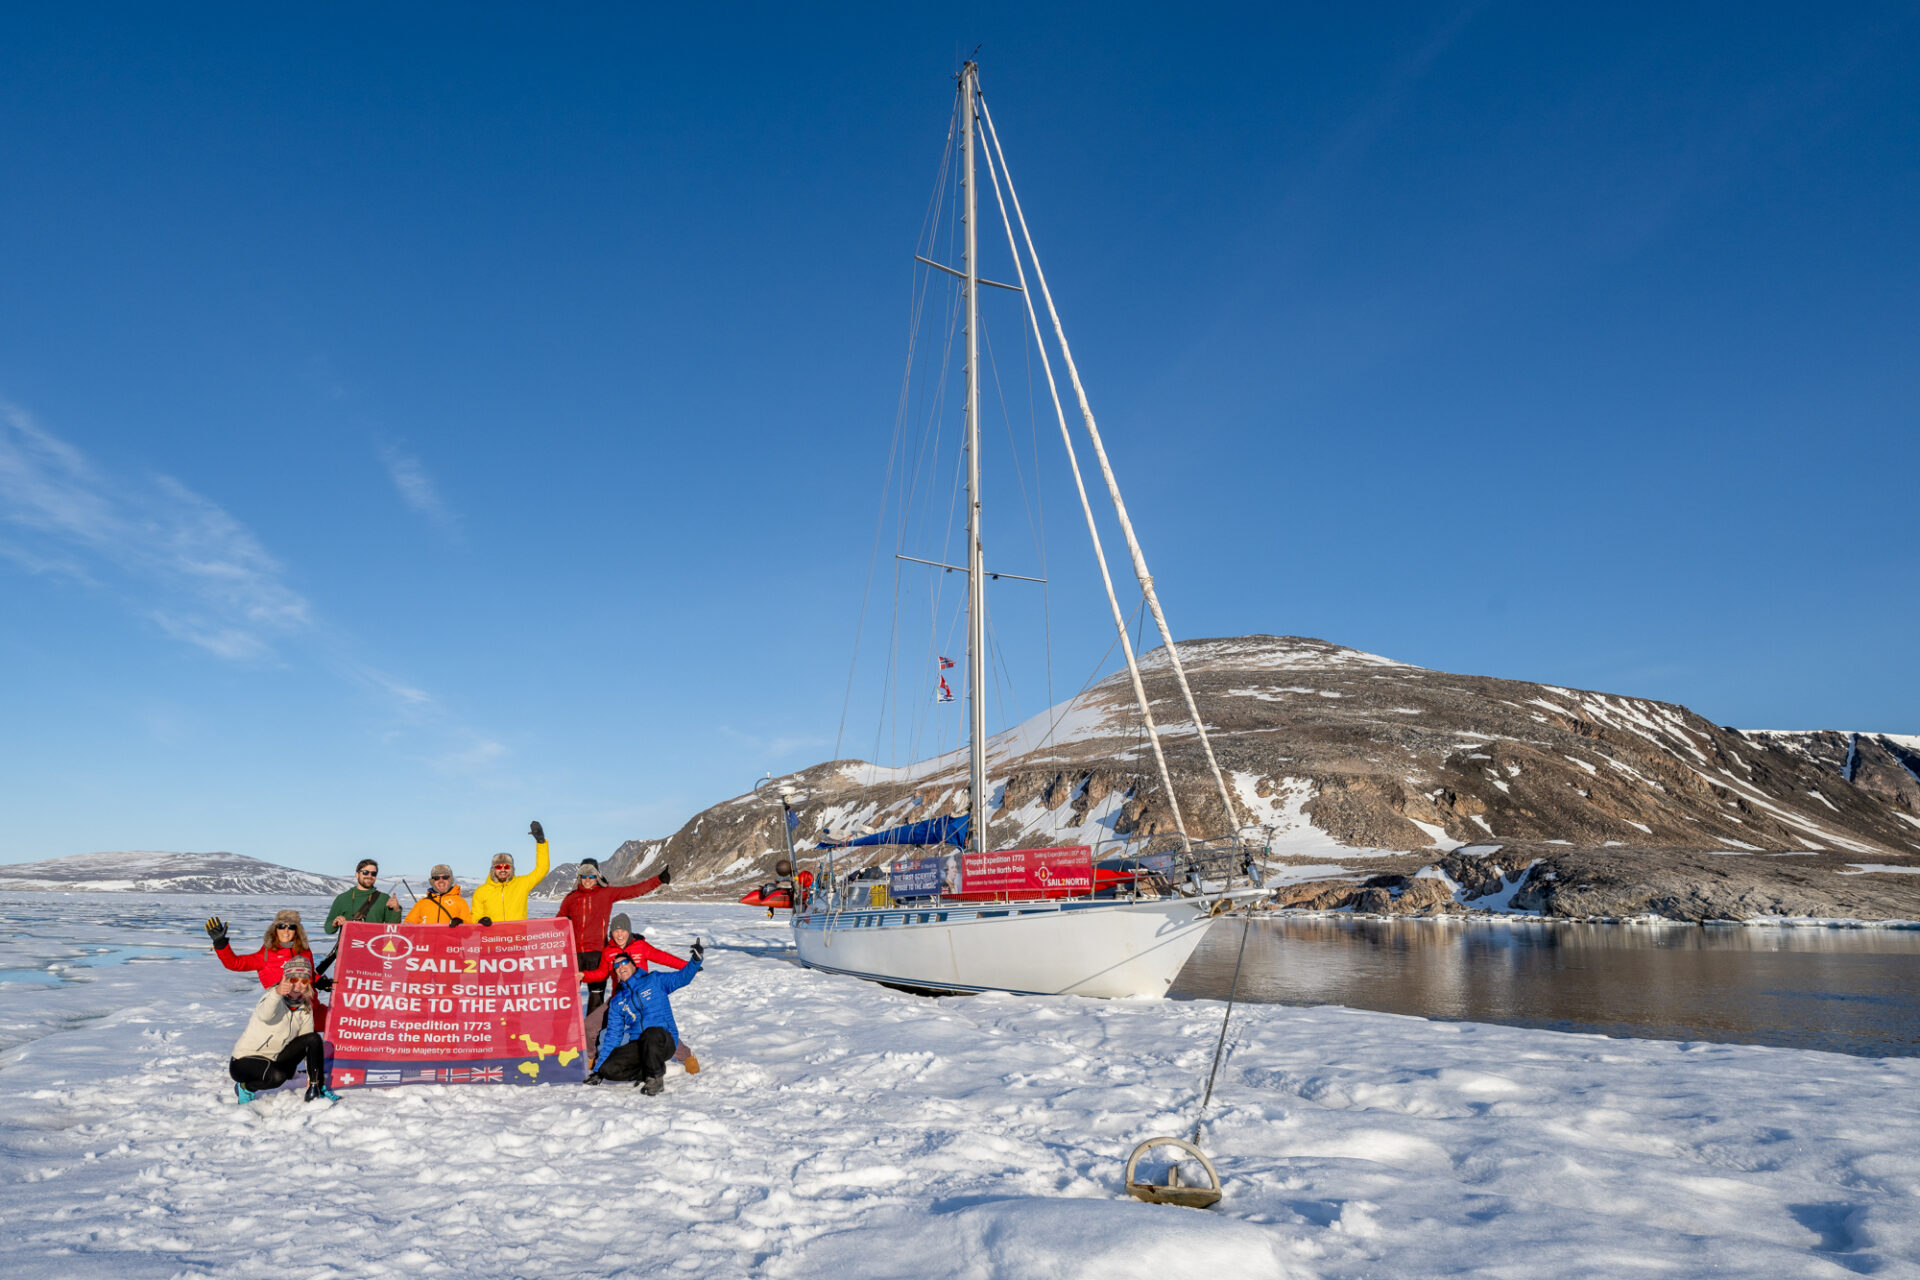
363, 901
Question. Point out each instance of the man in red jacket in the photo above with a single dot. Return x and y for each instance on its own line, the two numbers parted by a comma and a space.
587, 906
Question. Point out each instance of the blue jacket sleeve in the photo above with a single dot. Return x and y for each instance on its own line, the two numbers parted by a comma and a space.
614, 1034
672, 980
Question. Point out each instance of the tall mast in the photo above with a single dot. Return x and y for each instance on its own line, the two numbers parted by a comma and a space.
976, 574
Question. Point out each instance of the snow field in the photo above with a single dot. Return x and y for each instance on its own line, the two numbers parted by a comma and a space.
843, 1129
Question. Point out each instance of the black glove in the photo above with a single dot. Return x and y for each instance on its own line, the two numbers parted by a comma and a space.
539, 836
666, 875
487, 921
323, 983
697, 950
594, 1078
217, 930
455, 924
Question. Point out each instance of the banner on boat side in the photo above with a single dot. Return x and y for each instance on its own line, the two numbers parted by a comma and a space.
476, 1004
1028, 871
916, 879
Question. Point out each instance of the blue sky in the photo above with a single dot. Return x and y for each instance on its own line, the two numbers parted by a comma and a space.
412, 424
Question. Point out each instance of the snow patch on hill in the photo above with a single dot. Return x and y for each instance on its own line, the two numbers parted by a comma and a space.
154, 872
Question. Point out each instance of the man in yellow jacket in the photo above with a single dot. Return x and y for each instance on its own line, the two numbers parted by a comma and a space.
504, 895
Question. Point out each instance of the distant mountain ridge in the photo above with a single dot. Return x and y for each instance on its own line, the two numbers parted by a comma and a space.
1336, 753
154, 872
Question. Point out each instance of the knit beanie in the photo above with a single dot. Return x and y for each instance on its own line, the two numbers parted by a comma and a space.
621, 921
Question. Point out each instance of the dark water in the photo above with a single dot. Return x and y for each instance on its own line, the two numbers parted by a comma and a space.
1845, 990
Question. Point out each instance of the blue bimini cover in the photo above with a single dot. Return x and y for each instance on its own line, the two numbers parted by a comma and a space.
951, 831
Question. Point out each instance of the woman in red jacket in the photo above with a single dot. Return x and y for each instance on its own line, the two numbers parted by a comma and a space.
286, 938
625, 942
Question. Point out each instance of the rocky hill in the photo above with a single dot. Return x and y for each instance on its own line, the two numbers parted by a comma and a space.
1335, 755
165, 873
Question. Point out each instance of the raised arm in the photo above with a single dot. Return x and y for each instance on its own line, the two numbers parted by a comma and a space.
654, 955
541, 858
675, 981
638, 889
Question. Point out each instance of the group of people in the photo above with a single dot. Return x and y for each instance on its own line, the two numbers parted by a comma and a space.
631, 1033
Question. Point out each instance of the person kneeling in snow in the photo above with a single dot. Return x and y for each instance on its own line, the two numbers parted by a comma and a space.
641, 1034
278, 1036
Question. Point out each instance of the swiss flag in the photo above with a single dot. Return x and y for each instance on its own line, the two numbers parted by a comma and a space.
346, 1078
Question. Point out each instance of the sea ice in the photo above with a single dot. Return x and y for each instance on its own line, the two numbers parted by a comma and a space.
842, 1129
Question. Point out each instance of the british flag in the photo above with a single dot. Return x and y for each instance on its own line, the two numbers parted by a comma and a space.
489, 1075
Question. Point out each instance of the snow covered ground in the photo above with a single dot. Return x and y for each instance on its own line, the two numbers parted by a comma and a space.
841, 1129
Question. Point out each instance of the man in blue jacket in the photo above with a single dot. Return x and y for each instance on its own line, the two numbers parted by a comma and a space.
641, 1034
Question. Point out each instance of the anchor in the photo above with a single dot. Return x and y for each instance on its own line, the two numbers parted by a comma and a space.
1172, 1191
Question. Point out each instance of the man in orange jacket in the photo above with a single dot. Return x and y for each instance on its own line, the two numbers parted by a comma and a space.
443, 903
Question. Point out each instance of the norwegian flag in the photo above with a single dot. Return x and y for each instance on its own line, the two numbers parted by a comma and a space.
946, 664
945, 694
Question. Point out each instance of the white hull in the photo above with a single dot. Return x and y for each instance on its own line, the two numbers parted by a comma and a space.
1071, 947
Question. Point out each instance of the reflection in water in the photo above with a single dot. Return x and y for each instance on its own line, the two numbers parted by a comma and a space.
1847, 990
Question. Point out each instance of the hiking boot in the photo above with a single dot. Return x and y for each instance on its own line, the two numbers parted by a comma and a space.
242, 1094
652, 1085
321, 1091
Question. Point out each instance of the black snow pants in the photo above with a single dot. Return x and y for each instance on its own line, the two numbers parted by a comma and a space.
259, 1073
642, 1059
596, 991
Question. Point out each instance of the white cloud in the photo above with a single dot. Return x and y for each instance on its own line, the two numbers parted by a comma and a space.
417, 488
477, 754
774, 746
184, 564
173, 556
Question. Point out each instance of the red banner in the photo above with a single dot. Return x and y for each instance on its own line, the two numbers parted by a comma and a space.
1028, 873
420, 1004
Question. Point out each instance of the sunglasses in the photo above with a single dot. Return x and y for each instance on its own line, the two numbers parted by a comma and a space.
438, 879
370, 871
287, 928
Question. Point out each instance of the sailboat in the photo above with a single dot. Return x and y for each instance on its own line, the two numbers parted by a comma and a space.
1024, 921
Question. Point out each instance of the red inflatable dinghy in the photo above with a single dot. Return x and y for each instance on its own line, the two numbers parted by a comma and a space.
769, 895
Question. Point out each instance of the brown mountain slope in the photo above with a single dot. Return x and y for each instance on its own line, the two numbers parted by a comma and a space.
1333, 754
